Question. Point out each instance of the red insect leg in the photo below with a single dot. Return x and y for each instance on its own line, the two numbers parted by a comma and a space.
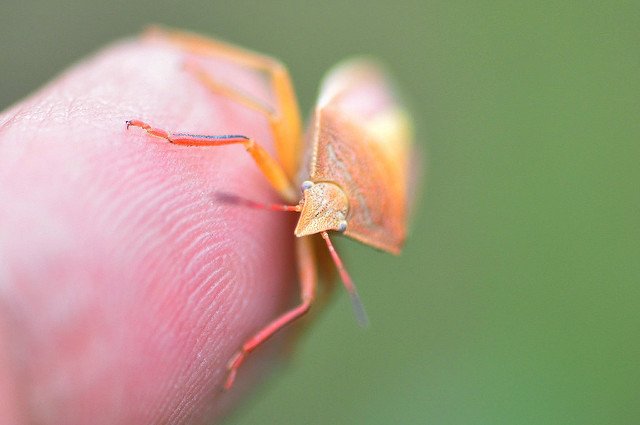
308, 282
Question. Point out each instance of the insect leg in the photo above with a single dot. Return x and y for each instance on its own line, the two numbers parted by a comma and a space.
269, 167
308, 282
284, 118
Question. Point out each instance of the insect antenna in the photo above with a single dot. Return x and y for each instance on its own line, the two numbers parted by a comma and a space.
356, 302
229, 198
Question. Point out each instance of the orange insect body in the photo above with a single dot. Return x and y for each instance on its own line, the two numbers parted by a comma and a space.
354, 167
363, 148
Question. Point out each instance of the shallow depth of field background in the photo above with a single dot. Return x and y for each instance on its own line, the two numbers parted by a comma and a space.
517, 299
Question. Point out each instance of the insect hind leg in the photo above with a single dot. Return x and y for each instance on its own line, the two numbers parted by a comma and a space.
284, 117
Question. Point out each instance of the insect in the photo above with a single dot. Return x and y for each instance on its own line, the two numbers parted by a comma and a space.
352, 171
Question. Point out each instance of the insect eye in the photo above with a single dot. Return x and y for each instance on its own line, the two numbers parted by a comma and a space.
306, 185
342, 227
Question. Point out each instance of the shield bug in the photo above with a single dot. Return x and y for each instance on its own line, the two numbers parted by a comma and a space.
352, 168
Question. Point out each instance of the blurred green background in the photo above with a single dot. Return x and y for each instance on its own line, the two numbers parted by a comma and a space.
516, 299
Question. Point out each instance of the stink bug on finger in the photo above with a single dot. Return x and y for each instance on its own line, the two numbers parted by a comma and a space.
349, 176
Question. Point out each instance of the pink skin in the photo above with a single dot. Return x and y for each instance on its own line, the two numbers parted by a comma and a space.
125, 284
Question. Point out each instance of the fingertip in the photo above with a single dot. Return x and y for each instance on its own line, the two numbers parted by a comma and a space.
165, 279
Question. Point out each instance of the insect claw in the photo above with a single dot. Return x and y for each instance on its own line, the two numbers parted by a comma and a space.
231, 377
232, 368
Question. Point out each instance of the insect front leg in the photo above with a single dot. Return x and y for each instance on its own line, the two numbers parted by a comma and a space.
308, 283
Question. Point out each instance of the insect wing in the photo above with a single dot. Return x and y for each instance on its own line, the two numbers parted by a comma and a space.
360, 138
